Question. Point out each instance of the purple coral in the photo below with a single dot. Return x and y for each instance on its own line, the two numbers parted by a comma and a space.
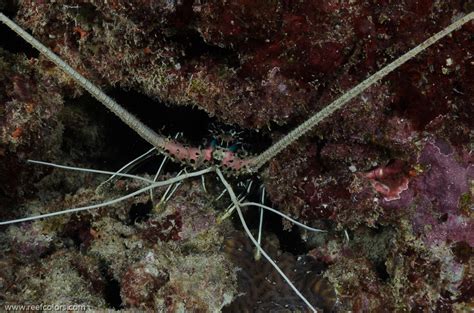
29, 241
438, 194
435, 195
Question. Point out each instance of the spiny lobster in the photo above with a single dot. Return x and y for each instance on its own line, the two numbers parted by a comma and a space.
224, 158
217, 159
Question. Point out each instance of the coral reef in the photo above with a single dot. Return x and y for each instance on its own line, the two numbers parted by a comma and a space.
390, 177
264, 290
54, 281
109, 259
30, 103
391, 269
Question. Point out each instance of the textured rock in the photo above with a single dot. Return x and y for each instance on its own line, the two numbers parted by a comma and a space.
389, 176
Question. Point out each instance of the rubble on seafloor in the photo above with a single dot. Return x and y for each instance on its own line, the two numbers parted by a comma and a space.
390, 176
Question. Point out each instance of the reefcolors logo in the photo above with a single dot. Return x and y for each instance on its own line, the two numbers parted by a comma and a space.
45, 307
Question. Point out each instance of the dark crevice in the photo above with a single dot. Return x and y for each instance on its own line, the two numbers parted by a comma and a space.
443, 218
462, 251
120, 144
197, 128
112, 288
195, 47
139, 212
11, 41
290, 240
381, 271
377, 229
163, 118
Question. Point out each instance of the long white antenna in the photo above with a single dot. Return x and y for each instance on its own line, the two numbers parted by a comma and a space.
309, 124
133, 122
237, 205
113, 201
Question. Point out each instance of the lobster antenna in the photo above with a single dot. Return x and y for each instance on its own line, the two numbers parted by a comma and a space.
237, 204
151, 186
133, 122
314, 120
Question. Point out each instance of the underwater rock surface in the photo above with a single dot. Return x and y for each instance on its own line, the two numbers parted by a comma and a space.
390, 176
